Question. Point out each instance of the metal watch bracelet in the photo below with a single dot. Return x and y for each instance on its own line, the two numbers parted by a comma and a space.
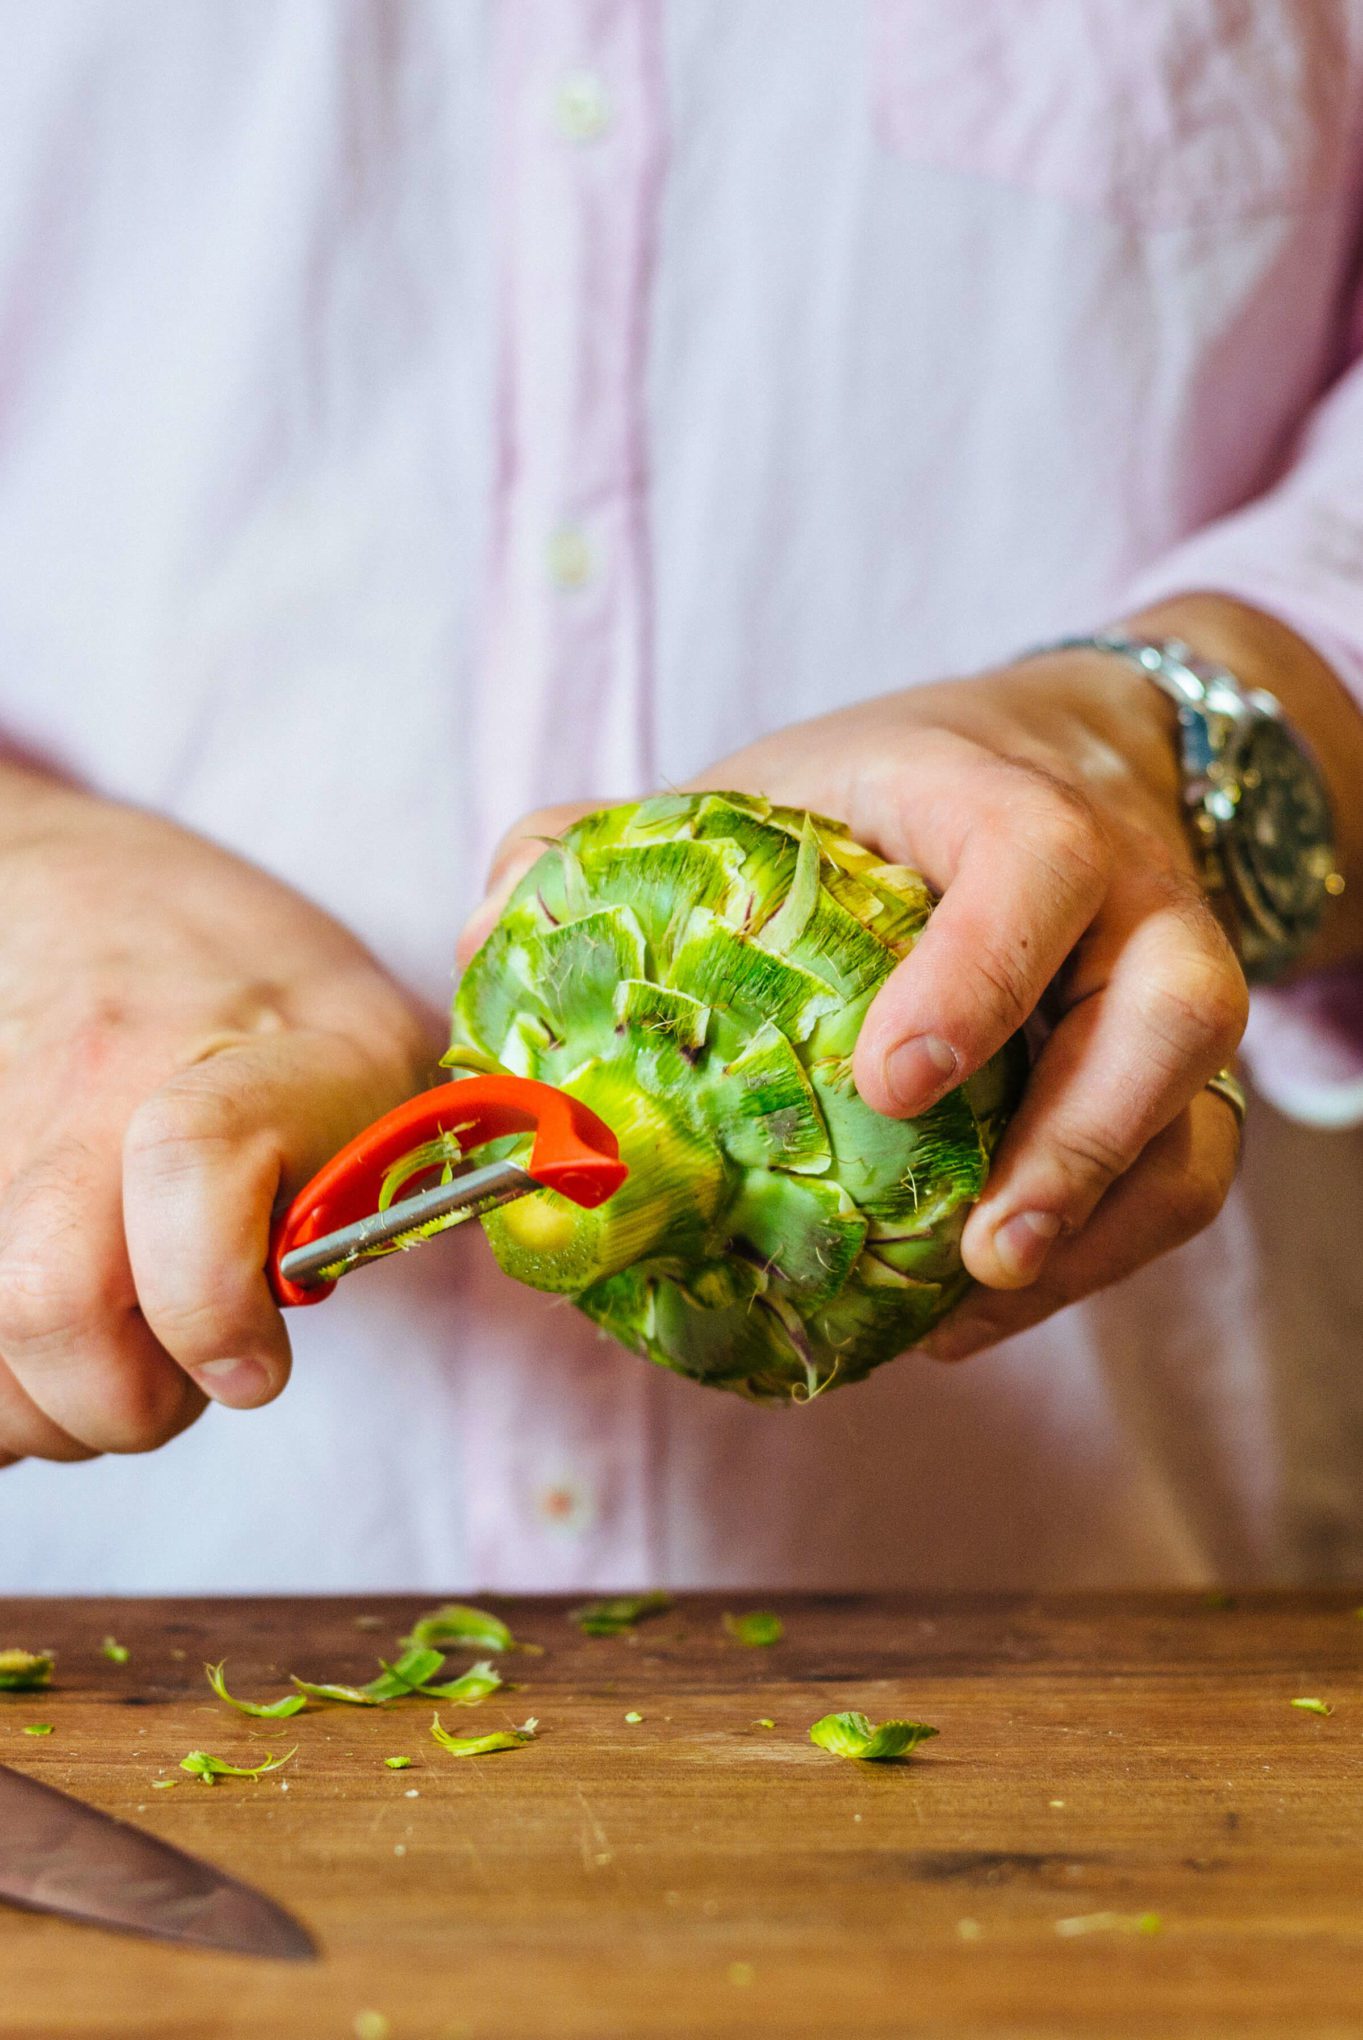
1254, 799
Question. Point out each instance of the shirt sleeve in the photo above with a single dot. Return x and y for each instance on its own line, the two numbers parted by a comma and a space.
1297, 553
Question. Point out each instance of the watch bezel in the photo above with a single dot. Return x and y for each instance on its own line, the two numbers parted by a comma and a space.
1286, 908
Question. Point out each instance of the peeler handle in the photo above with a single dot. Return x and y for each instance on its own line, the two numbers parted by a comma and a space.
574, 1153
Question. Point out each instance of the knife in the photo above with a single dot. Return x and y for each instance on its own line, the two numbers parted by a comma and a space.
58, 1855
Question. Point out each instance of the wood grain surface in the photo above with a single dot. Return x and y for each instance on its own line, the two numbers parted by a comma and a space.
1099, 1759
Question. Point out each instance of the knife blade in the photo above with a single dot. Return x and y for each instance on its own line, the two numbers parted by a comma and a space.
58, 1855
467, 1195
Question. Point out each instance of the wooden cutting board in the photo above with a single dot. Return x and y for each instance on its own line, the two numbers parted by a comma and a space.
1100, 1760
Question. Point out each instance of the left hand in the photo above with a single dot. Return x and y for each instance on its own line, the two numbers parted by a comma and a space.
1041, 801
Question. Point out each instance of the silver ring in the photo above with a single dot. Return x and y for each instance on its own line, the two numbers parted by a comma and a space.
1227, 1085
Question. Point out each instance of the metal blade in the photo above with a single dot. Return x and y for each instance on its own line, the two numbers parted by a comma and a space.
465, 1196
58, 1855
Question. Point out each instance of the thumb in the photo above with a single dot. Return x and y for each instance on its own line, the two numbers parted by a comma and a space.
205, 1159
521, 847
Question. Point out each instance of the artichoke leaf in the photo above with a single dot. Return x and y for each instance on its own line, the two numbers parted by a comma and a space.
724, 968
655, 1009
766, 1110
804, 1229
577, 967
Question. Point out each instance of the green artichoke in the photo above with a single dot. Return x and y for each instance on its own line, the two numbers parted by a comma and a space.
696, 969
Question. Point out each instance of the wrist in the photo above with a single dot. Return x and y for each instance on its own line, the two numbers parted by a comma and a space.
1252, 799
1118, 736
1262, 652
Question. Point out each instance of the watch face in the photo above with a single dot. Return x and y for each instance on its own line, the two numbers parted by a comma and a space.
1279, 847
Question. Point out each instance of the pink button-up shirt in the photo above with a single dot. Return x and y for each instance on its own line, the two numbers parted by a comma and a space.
411, 412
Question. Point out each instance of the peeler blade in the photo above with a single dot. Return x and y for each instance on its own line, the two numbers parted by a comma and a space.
467, 1195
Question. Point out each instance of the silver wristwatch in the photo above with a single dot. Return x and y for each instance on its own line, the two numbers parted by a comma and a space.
1255, 800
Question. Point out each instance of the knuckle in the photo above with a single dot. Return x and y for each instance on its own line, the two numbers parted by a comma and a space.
205, 1326
183, 1117
117, 1402
1089, 1159
1227, 1015
1194, 1197
140, 1409
1206, 982
27, 1432
46, 1297
1064, 830
1012, 994
1198, 1011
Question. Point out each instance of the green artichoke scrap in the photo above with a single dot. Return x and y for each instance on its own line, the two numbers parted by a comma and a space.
696, 968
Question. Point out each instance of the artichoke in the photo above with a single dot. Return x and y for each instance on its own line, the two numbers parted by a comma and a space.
695, 969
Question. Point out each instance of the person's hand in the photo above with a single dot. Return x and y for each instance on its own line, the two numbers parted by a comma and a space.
1041, 801
183, 1041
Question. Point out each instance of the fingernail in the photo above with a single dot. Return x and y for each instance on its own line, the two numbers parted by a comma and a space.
917, 1071
1023, 1242
238, 1383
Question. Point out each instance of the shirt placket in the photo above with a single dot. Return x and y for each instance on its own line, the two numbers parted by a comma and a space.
558, 1466
568, 715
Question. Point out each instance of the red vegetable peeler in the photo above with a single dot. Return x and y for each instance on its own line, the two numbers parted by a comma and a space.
333, 1224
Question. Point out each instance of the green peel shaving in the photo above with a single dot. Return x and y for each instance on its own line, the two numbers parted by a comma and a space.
25, 1671
470, 1628
609, 1618
851, 1735
208, 1769
262, 1710
756, 1630
482, 1745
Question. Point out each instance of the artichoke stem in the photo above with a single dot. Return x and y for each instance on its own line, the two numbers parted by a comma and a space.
664, 1207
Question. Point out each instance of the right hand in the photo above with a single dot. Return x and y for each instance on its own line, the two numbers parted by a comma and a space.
183, 1042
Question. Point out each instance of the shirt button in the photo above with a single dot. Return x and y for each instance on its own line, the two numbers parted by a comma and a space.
565, 1505
582, 108
571, 560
